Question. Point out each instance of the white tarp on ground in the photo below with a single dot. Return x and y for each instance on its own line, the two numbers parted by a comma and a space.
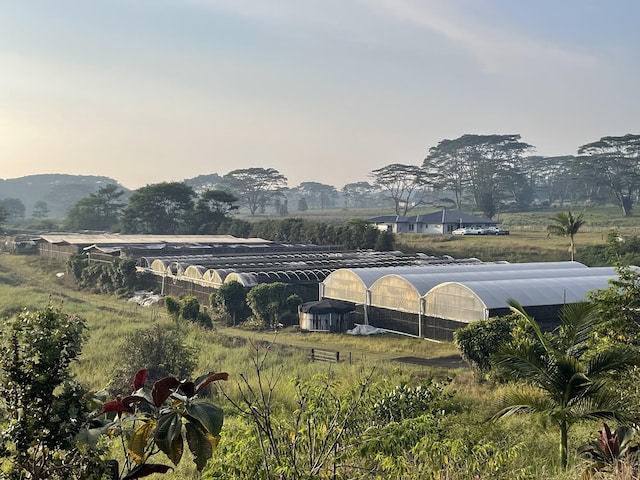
364, 330
146, 299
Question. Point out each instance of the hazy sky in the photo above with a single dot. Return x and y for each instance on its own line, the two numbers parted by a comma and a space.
146, 91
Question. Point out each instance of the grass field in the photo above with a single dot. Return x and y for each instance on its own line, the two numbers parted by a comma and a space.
31, 282
522, 245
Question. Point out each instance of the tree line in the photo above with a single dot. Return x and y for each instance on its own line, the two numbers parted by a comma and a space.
174, 208
494, 172
488, 173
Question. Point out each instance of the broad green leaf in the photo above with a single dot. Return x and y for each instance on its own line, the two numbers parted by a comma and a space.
168, 436
209, 416
139, 440
200, 444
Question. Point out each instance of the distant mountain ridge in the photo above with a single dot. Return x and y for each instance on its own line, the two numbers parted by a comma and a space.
59, 191
62, 191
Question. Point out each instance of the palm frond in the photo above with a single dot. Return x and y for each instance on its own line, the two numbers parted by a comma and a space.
521, 400
600, 405
578, 321
519, 310
612, 360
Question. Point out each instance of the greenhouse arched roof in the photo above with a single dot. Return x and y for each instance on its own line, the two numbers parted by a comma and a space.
363, 278
425, 282
455, 300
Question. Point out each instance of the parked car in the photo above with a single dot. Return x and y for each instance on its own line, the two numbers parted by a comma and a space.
470, 231
497, 231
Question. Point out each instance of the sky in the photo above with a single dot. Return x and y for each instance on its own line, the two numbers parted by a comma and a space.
148, 91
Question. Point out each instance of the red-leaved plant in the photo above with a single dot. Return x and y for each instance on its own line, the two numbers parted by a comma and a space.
159, 420
610, 450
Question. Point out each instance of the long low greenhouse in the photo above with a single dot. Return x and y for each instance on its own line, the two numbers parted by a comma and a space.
433, 301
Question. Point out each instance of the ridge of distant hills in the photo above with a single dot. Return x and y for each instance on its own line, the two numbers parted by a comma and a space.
62, 191
59, 191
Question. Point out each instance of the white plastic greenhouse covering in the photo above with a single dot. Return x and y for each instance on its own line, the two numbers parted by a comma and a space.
352, 284
404, 291
471, 301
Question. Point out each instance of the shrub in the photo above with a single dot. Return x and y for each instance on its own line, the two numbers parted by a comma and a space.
173, 307
159, 350
190, 308
478, 341
231, 298
204, 320
44, 405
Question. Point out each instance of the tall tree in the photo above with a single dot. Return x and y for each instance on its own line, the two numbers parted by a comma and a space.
40, 209
232, 299
360, 194
559, 378
566, 225
405, 185
615, 161
318, 195
212, 210
14, 209
254, 187
488, 165
551, 177
98, 211
158, 209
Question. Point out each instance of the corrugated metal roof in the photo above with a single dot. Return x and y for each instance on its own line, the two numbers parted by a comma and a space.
100, 239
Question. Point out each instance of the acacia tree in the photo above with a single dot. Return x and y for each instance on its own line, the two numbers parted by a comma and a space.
615, 162
405, 185
551, 176
318, 194
488, 165
159, 208
254, 187
360, 194
566, 225
558, 376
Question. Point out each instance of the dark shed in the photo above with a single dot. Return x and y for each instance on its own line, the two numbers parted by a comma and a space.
327, 315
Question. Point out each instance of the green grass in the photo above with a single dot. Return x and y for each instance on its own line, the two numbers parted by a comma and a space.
32, 282
522, 245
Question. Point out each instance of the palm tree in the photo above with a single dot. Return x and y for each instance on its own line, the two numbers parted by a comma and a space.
556, 378
566, 226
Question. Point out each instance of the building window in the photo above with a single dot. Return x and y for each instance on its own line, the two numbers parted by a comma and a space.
412, 227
